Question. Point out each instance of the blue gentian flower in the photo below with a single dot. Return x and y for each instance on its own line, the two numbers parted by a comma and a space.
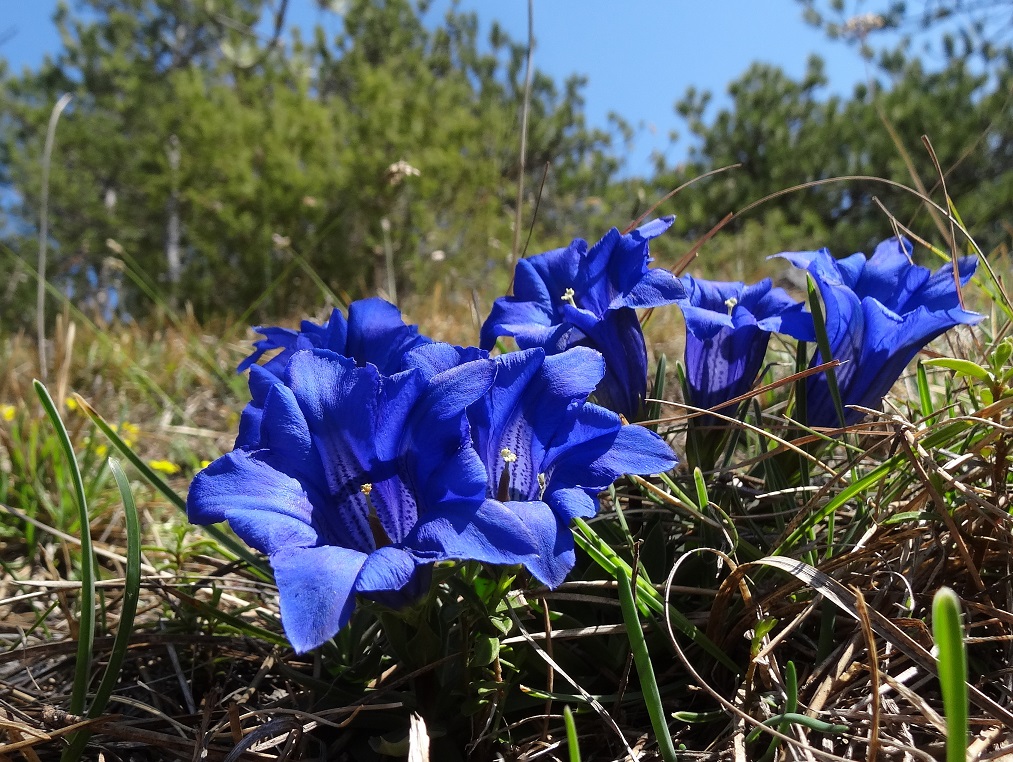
374, 333
728, 326
355, 482
548, 452
879, 313
578, 296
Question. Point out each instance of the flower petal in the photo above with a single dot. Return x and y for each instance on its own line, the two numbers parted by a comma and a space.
600, 449
620, 339
377, 334
269, 510
317, 591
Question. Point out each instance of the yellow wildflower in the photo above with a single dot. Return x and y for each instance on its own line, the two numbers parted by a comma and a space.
166, 467
7, 412
128, 433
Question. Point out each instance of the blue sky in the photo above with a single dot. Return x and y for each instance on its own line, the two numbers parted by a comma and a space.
639, 55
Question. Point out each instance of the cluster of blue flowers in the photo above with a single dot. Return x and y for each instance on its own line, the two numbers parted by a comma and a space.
880, 311
369, 452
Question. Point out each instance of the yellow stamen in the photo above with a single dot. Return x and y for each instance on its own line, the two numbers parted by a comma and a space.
503, 490
380, 537
568, 297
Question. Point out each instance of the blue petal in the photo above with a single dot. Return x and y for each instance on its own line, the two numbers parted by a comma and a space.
889, 276
388, 569
656, 288
655, 227
531, 323
261, 381
572, 502
620, 339
377, 334
500, 533
437, 357
269, 510
316, 587
340, 402
532, 405
546, 277
940, 293
434, 458
330, 335
725, 365
554, 555
600, 449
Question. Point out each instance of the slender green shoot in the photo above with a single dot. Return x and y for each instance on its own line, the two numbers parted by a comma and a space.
952, 660
572, 745
790, 707
642, 659
823, 342
820, 726
925, 396
86, 618
128, 609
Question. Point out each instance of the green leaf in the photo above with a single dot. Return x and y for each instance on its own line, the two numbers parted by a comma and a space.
572, 746
86, 619
484, 651
964, 367
952, 660
642, 659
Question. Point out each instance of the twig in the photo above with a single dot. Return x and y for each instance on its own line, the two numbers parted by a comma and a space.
40, 298
514, 249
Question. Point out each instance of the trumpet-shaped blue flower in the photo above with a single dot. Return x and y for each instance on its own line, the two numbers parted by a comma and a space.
728, 326
880, 312
374, 333
548, 452
354, 482
578, 296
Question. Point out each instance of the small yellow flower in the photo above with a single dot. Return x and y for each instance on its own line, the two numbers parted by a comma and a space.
166, 467
7, 412
205, 463
101, 449
71, 403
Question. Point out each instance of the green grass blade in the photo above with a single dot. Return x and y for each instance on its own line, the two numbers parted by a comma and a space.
653, 411
128, 608
86, 618
610, 561
131, 593
798, 719
572, 746
855, 488
952, 660
642, 659
925, 395
702, 498
823, 342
